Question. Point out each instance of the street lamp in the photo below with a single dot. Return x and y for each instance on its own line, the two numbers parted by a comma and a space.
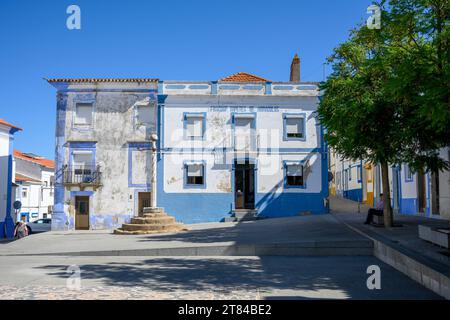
153, 139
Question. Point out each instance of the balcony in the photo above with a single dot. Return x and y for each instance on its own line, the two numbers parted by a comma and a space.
82, 176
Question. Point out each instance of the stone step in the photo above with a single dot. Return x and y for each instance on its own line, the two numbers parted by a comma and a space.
153, 220
152, 227
154, 215
153, 210
244, 214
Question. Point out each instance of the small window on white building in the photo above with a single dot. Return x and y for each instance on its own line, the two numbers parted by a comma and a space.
358, 173
195, 174
24, 193
144, 115
294, 175
194, 126
408, 173
83, 114
294, 127
350, 173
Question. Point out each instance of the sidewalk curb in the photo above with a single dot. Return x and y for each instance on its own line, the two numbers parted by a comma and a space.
308, 248
432, 275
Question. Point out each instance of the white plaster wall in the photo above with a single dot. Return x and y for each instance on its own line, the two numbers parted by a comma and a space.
113, 129
409, 189
444, 186
5, 151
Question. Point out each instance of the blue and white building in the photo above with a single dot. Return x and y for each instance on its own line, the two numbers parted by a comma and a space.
7, 185
412, 193
241, 143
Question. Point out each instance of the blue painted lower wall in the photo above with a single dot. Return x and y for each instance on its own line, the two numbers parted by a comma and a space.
354, 194
196, 207
289, 204
408, 206
214, 207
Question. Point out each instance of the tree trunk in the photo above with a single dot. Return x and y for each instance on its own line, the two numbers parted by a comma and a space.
387, 214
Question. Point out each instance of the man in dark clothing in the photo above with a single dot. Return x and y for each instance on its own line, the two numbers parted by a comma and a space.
378, 211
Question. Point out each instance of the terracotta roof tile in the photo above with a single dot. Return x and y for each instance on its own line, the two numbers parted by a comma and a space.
42, 161
243, 77
3, 122
92, 80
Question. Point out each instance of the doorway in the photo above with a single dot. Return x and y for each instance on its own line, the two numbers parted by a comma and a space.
81, 213
369, 185
244, 185
144, 201
421, 195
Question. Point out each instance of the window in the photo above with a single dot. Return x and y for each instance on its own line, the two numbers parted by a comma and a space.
350, 173
194, 126
24, 193
83, 114
408, 174
195, 174
144, 115
294, 127
358, 173
82, 166
294, 175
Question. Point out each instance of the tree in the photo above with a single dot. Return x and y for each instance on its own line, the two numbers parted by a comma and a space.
379, 103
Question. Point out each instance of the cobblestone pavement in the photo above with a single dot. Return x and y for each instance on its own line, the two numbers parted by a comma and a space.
230, 278
116, 293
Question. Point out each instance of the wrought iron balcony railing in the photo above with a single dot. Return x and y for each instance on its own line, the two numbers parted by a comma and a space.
82, 175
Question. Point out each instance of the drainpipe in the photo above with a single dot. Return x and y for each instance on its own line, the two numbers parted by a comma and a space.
154, 138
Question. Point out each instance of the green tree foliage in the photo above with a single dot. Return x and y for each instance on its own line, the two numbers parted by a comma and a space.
387, 99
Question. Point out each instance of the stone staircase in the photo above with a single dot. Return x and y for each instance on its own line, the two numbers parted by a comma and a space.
153, 220
242, 215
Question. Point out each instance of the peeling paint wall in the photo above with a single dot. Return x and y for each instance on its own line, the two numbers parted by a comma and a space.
114, 127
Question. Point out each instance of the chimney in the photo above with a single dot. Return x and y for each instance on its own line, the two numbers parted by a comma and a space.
295, 69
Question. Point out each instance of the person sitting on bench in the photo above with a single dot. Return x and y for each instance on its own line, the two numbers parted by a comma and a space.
378, 211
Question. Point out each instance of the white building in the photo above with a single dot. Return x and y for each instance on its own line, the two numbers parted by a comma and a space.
34, 176
7, 186
242, 143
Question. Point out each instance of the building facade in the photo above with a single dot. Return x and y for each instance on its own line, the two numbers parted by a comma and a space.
410, 192
34, 176
7, 185
102, 174
240, 143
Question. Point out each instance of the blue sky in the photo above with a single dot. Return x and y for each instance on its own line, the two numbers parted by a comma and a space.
184, 40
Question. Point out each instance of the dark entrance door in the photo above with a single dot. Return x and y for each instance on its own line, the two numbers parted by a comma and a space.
244, 185
81, 213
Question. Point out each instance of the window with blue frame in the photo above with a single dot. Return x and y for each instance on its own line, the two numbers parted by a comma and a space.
194, 126
408, 174
294, 175
194, 174
83, 114
294, 127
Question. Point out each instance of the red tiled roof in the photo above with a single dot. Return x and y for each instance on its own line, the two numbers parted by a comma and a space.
3, 122
243, 77
42, 161
22, 178
91, 80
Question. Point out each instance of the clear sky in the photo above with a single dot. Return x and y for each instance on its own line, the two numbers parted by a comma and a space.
166, 39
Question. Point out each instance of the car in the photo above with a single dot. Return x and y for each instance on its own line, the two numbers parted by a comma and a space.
40, 225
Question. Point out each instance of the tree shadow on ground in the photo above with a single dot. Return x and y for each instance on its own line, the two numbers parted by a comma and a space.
304, 277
